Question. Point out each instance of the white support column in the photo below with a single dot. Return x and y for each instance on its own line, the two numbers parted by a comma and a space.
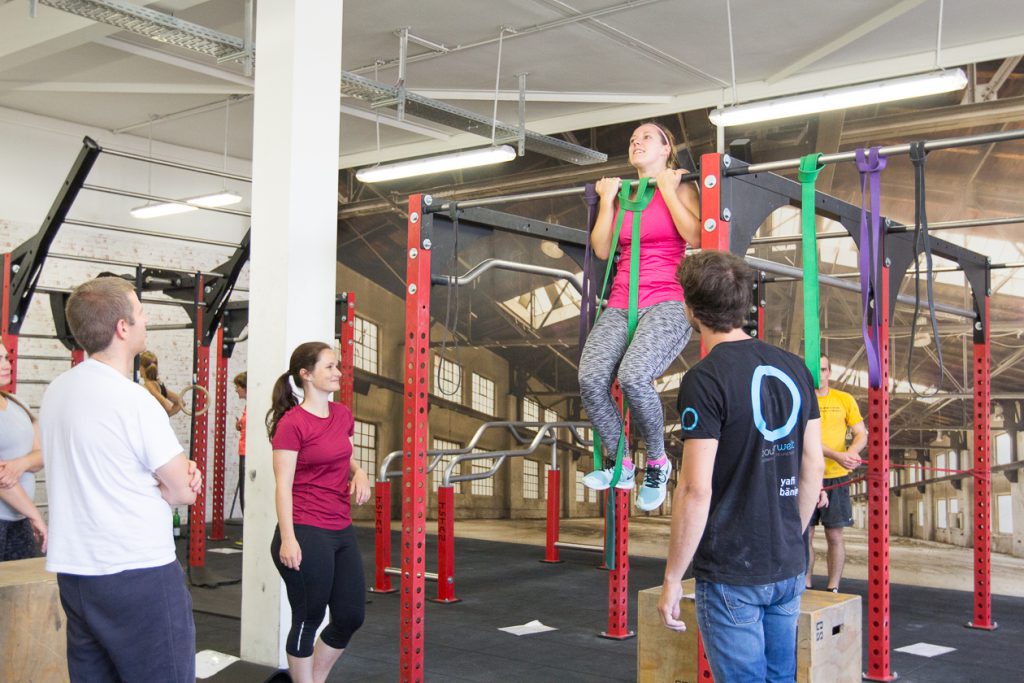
294, 263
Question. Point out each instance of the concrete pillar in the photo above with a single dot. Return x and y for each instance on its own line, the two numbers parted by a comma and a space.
293, 272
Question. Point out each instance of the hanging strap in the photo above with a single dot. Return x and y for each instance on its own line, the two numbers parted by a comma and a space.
808, 174
922, 242
871, 164
588, 303
644, 194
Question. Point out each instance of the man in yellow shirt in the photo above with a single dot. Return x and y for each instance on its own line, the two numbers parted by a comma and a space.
839, 412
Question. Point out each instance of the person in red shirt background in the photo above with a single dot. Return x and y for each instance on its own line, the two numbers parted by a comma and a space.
314, 546
241, 382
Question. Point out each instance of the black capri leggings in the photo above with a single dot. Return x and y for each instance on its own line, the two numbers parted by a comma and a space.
330, 575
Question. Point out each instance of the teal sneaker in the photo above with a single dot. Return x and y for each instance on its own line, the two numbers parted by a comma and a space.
655, 487
600, 480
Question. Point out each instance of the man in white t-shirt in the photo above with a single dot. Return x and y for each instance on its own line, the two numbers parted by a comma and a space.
113, 469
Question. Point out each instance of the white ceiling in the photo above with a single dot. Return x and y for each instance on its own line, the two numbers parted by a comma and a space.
632, 60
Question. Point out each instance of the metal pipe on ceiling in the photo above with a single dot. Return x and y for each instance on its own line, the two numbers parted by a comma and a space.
162, 200
149, 233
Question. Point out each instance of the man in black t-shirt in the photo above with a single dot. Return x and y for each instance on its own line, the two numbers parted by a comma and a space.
750, 477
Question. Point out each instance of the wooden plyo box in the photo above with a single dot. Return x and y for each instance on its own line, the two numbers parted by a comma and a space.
32, 629
828, 639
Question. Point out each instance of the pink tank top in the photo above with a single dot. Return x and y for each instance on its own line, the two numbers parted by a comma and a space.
662, 248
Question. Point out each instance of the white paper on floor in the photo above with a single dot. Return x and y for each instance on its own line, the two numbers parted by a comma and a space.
925, 649
224, 551
210, 662
528, 628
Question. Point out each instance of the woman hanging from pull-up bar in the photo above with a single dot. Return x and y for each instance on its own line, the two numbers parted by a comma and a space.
644, 326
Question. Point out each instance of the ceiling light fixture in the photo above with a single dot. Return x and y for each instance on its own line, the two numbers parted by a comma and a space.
841, 98
437, 164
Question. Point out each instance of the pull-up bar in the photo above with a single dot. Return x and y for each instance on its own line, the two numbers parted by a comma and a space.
890, 151
794, 272
501, 264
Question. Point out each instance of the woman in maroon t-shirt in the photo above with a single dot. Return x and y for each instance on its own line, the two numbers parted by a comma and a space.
314, 546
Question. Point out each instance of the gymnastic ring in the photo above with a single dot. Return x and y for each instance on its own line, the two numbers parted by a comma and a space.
184, 405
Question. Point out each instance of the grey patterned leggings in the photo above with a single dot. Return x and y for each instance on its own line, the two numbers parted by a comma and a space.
661, 333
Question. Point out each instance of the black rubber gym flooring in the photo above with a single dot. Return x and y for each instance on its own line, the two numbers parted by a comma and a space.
503, 584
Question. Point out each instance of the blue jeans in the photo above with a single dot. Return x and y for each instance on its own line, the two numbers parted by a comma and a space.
749, 632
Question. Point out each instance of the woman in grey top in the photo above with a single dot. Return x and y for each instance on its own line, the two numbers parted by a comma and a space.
21, 525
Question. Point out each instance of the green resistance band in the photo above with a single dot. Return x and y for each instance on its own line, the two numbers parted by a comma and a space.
808, 174
644, 194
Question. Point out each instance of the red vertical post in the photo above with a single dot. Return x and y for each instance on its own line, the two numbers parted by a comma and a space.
10, 341
878, 504
554, 508
714, 228
714, 235
346, 330
982, 477
220, 423
414, 445
77, 356
446, 544
382, 536
197, 511
618, 578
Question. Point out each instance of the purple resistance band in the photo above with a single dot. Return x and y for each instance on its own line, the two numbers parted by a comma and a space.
871, 165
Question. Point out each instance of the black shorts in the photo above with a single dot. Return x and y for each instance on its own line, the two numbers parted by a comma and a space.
839, 512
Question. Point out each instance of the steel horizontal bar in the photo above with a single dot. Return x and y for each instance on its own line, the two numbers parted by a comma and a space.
163, 200
175, 164
149, 233
892, 150
791, 271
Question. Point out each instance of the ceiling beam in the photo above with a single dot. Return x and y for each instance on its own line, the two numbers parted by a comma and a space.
876, 21
929, 121
130, 88
192, 65
544, 96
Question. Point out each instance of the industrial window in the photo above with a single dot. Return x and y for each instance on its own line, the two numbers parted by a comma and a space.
920, 513
1004, 449
940, 514
364, 447
531, 479
438, 474
954, 460
483, 394
581, 490
365, 336
447, 379
940, 464
544, 486
481, 487
531, 410
954, 513
1004, 514
912, 474
550, 415
893, 479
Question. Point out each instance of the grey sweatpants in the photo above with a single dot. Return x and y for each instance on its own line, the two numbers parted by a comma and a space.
661, 333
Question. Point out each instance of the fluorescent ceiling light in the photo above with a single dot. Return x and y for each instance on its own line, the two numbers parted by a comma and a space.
840, 98
207, 201
216, 199
162, 209
445, 162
